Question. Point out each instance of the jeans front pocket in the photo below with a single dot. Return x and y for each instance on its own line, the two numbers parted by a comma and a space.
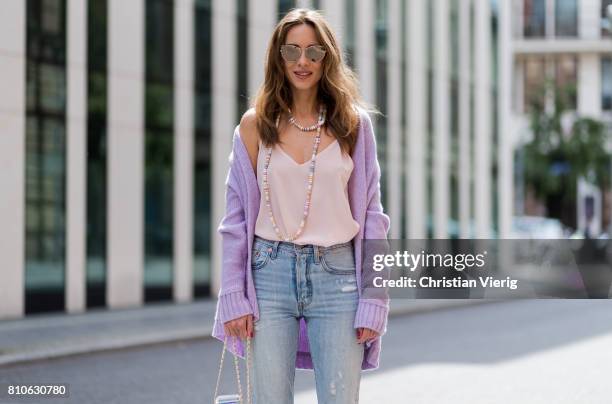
339, 261
259, 258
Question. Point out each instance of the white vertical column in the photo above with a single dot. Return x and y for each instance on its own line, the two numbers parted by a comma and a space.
519, 84
441, 121
76, 150
549, 73
518, 18
394, 101
505, 194
366, 56
335, 15
183, 149
125, 152
12, 155
417, 104
589, 19
262, 19
589, 85
224, 88
464, 174
482, 116
549, 28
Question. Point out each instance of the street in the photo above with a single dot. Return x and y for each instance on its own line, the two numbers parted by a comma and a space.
527, 351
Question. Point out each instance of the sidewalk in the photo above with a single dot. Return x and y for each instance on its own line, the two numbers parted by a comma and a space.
55, 335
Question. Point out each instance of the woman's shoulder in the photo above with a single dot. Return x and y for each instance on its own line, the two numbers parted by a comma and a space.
248, 124
249, 134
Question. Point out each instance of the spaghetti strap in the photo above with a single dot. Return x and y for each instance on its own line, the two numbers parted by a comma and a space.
260, 149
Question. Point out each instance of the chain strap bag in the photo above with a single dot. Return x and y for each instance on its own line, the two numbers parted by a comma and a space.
234, 398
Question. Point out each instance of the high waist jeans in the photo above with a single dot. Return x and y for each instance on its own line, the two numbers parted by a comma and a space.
319, 284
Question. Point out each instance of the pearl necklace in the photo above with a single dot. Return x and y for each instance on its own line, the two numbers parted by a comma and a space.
266, 186
310, 128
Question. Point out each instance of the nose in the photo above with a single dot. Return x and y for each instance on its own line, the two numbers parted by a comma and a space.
303, 60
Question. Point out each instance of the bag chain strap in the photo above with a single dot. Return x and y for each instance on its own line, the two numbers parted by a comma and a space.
237, 367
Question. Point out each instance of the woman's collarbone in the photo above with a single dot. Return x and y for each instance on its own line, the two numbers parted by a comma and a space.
294, 144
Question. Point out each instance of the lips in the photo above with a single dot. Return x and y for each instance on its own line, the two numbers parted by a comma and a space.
302, 75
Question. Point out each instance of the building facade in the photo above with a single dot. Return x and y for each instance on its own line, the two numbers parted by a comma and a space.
567, 43
117, 122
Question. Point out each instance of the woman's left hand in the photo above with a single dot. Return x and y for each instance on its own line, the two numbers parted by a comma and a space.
365, 334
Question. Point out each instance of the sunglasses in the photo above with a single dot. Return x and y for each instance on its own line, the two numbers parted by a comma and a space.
292, 53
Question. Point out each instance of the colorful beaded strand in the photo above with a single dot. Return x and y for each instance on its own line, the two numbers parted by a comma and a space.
266, 186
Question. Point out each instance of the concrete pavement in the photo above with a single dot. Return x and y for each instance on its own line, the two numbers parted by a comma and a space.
519, 351
47, 336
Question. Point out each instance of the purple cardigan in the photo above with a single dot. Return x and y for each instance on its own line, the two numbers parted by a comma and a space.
237, 293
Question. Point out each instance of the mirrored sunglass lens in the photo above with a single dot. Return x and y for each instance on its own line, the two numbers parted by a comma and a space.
291, 53
315, 53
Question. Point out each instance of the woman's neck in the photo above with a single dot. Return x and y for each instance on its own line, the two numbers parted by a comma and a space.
305, 104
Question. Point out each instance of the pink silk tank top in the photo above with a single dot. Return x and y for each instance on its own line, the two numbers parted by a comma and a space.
329, 220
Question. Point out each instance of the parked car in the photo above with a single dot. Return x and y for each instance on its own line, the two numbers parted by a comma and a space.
537, 227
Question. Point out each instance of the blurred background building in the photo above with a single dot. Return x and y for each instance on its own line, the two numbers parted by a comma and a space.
567, 44
117, 122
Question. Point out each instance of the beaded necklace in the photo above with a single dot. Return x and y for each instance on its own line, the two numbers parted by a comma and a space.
307, 128
266, 186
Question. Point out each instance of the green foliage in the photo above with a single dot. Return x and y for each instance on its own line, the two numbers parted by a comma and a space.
555, 157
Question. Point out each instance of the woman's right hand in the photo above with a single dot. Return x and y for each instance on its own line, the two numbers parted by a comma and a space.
240, 327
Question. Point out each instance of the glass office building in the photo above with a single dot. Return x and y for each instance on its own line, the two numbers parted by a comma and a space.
119, 120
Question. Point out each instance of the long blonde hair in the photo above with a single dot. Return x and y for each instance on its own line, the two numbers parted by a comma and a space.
338, 88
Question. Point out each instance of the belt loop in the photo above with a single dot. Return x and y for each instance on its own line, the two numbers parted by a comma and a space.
317, 256
274, 249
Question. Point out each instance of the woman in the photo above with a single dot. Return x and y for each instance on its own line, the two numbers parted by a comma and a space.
302, 193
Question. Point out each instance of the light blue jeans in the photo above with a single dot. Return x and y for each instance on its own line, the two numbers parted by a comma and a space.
319, 284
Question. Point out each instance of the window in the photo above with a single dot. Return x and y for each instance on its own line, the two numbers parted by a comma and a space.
553, 79
159, 149
534, 16
96, 152
565, 81
283, 7
535, 73
454, 113
429, 143
350, 32
566, 18
202, 146
606, 84
382, 28
606, 24
45, 159
494, 169
242, 57
404, 123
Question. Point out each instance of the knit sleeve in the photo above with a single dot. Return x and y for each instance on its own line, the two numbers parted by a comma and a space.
377, 223
233, 302
373, 308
